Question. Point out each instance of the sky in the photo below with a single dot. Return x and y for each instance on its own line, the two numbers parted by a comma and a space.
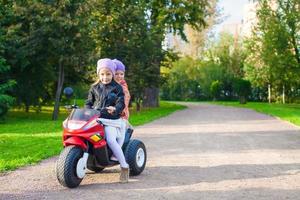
232, 10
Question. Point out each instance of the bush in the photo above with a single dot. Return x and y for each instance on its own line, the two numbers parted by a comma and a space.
243, 89
215, 89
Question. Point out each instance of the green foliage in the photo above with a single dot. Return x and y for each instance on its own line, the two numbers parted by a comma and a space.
190, 79
49, 44
182, 81
6, 100
40, 37
215, 89
274, 46
229, 54
137, 30
27, 138
243, 89
209, 72
121, 31
6, 85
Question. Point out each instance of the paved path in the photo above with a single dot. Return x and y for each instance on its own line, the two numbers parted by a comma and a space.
203, 152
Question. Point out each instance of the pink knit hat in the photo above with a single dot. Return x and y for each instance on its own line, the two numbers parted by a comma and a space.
106, 63
119, 64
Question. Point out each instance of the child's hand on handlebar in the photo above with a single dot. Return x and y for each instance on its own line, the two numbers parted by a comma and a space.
111, 109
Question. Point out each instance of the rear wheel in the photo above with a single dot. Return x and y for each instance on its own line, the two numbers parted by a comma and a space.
66, 166
136, 156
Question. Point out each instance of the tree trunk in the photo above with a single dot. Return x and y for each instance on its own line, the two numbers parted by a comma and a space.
296, 49
151, 93
138, 105
283, 94
243, 100
26, 108
151, 97
60, 83
269, 93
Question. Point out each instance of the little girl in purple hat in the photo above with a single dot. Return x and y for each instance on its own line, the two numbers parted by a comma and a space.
98, 96
120, 78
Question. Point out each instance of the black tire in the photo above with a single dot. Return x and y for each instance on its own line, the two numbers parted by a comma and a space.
131, 157
66, 166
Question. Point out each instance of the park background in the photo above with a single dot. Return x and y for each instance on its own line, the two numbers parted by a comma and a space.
173, 50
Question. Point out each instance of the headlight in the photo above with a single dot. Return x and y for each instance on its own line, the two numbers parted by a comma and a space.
96, 138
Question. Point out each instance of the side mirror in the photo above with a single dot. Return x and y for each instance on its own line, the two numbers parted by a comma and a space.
68, 92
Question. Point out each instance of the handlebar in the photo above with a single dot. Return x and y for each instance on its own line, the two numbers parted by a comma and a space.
69, 107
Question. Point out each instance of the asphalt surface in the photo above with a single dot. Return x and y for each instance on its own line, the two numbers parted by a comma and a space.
203, 152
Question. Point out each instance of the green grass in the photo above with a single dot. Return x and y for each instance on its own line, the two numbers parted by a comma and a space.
287, 112
26, 138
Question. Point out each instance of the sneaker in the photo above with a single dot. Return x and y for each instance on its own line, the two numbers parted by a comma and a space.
124, 175
113, 158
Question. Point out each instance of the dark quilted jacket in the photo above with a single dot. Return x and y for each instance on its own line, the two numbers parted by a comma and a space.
104, 95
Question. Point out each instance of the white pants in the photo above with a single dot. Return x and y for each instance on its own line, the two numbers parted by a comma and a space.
115, 135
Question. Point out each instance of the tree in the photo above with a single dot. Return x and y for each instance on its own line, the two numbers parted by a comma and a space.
6, 100
5, 85
49, 43
226, 56
171, 16
69, 31
215, 89
121, 32
196, 40
182, 80
138, 29
276, 52
243, 89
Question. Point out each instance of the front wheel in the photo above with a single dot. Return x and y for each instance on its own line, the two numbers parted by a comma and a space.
66, 166
136, 156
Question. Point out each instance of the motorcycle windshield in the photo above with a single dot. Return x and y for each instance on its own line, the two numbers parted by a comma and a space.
83, 114
79, 117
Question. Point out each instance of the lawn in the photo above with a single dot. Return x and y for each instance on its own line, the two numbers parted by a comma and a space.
26, 138
288, 112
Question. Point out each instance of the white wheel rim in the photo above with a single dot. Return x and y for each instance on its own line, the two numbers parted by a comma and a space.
81, 166
140, 157
80, 169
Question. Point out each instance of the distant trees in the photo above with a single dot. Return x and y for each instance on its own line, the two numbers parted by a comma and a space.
6, 84
137, 30
273, 49
212, 76
267, 61
49, 44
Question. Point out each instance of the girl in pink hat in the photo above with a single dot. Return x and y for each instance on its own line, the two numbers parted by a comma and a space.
119, 78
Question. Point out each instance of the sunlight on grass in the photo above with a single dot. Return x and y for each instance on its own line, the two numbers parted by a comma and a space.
288, 112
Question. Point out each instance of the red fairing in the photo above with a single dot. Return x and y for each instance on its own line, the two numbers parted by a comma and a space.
75, 141
78, 129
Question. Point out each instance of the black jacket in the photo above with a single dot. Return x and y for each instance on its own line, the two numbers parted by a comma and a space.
104, 95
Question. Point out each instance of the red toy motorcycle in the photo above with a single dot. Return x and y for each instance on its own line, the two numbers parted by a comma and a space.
85, 148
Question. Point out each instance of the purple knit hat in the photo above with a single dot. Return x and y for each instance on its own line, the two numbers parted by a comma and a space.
106, 63
119, 64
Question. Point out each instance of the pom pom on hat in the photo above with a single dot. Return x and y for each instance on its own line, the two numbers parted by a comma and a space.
119, 64
106, 63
